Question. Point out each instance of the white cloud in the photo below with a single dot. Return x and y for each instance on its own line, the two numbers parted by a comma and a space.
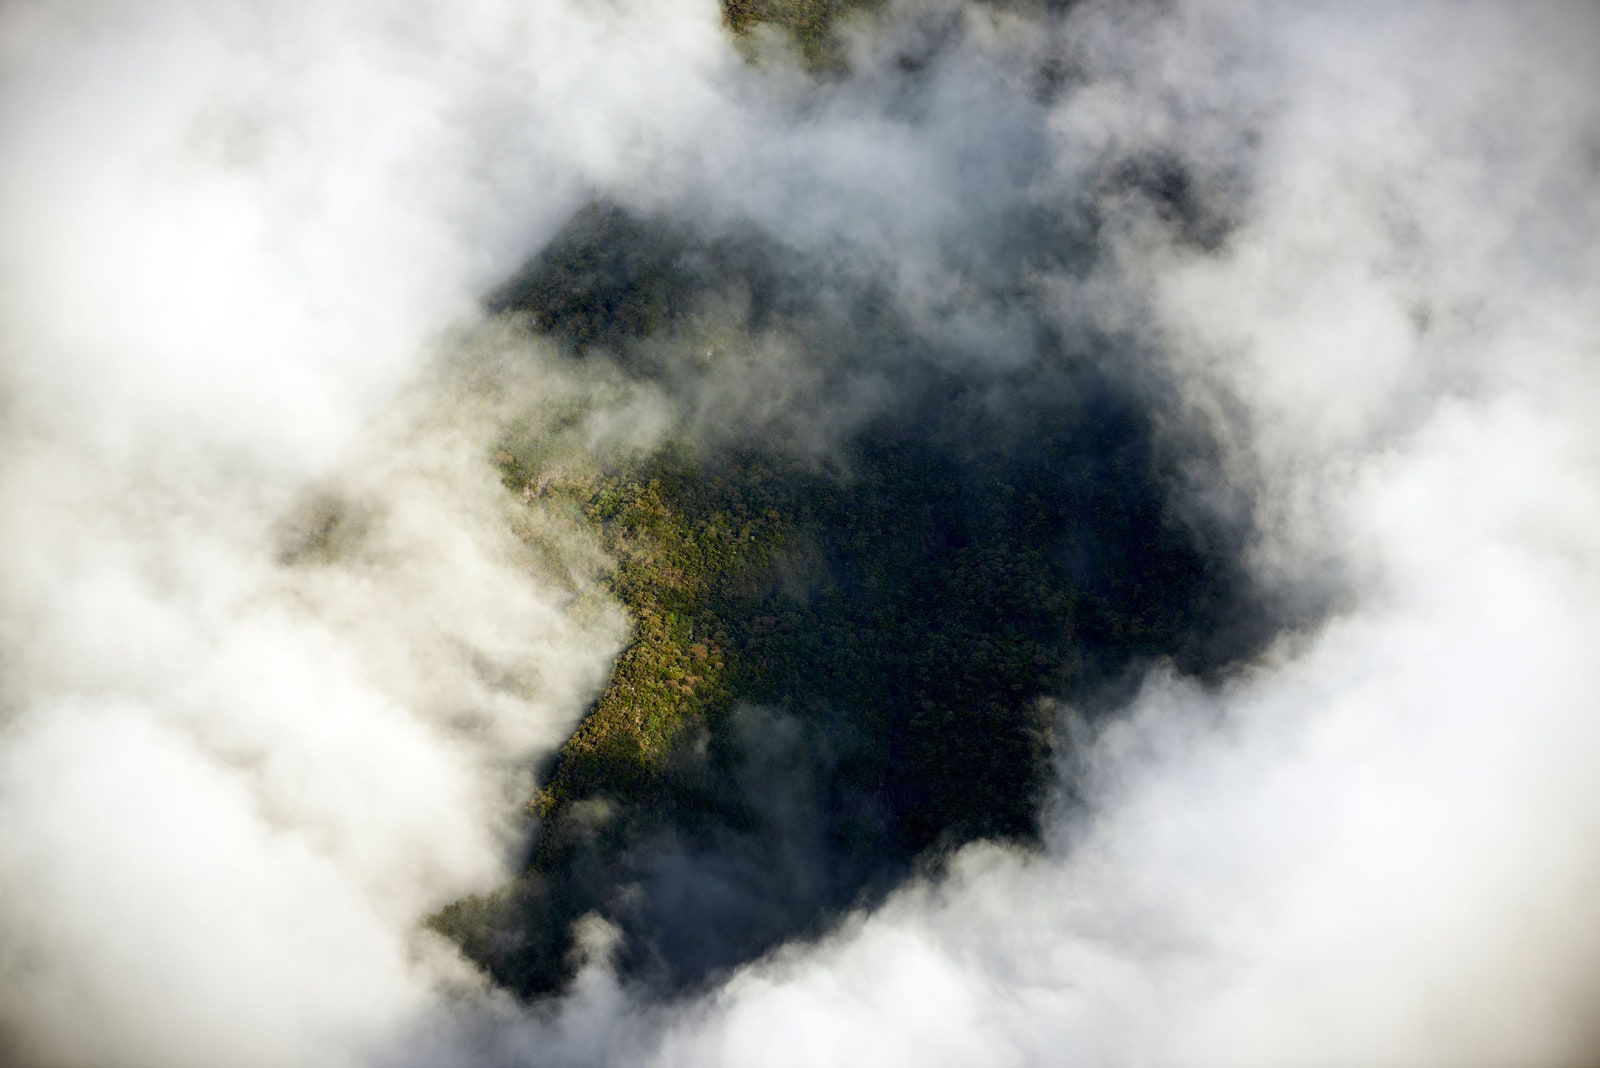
230, 785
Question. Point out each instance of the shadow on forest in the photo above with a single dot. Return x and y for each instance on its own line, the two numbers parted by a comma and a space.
842, 669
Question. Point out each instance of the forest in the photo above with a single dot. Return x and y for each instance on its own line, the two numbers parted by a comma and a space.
843, 663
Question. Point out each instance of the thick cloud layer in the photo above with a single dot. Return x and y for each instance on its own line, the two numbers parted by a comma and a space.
276, 667
277, 664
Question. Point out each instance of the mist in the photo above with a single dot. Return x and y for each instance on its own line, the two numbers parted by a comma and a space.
283, 657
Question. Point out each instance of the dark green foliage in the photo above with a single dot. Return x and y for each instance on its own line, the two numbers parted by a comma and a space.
809, 22
838, 668
610, 279
607, 278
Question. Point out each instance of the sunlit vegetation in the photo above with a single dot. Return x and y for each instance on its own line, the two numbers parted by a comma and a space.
687, 553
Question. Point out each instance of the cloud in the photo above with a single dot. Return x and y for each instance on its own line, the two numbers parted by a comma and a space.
1378, 845
276, 664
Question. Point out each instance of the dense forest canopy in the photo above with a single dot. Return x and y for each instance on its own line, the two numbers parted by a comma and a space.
843, 661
